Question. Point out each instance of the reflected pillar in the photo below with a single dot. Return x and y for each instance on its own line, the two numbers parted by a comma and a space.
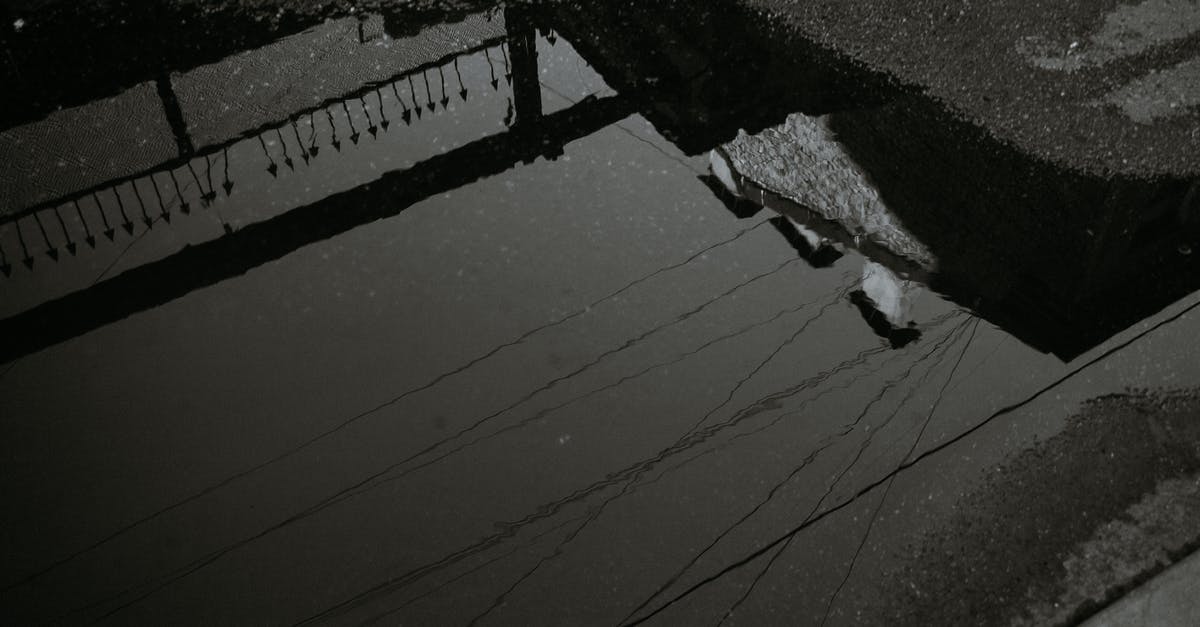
170, 103
522, 46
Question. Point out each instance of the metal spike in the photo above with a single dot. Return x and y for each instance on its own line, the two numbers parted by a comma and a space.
205, 197
383, 120
462, 89
87, 231
337, 145
162, 206
127, 224
5, 267
28, 259
354, 135
62, 224
287, 159
491, 69
442, 75
507, 67
407, 114
211, 194
109, 232
145, 217
296, 134
428, 93
228, 184
183, 203
272, 169
371, 128
51, 251
312, 133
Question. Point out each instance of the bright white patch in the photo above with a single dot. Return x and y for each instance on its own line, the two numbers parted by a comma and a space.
720, 168
809, 235
893, 296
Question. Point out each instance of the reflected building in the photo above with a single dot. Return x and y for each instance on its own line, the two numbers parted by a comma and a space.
408, 79
1059, 258
849, 161
1062, 260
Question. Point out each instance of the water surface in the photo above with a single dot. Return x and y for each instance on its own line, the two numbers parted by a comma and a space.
458, 323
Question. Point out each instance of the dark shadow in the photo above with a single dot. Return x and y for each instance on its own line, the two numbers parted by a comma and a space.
738, 206
822, 255
897, 336
1060, 259
713, 67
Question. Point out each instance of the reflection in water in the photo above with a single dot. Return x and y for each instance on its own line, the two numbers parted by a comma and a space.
903, 206
214, 119
885, 301
177, 274
556, 368
920, 220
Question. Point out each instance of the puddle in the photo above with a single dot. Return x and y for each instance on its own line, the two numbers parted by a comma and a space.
551, 315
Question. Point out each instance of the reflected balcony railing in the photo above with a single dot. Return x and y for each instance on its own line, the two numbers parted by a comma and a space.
1062, 260
527, 134
80, 219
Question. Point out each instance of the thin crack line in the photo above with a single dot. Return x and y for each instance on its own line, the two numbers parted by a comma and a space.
1004, 411
683, 443
940, 347
826, 443
210, 489
888, 488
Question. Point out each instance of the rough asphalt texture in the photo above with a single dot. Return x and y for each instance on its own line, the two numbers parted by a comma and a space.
1168, 600
1057, 80
995, 64
1063, 528
1094, 85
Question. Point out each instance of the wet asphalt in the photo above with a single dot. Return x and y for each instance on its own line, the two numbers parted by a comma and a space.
605, 313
